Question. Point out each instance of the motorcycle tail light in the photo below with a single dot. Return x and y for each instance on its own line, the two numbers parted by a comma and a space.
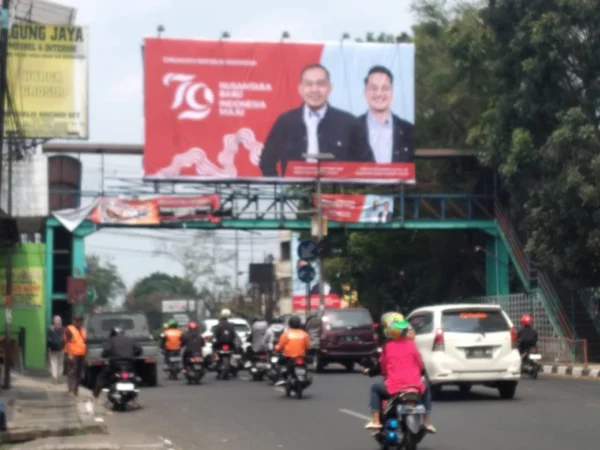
124, 376
534, 350
196, 359
226, 347
299, 361
262, 356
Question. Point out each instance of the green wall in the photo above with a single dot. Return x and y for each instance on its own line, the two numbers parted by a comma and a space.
29, 300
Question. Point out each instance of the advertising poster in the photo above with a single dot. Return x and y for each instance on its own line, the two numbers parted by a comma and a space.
47, 78
357, 208
226, 110
332, 299
155, 210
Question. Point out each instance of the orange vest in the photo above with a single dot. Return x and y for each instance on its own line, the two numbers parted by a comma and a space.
77, 344
173, 339
294, 343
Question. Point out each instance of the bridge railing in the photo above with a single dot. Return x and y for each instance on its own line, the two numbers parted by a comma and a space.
563, 350
536, 279
591, 303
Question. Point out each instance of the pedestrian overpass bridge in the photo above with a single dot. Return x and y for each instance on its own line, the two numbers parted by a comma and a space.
248, 208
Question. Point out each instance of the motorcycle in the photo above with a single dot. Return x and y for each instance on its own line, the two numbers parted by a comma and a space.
296, 378
272, 372
173, 366
530, 365
195, 370
402, 417
258, 367
227, 362
122, 390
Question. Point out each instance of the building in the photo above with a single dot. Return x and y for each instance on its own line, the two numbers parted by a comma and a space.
283, 272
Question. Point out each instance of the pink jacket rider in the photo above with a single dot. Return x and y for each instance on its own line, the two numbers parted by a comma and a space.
401, 366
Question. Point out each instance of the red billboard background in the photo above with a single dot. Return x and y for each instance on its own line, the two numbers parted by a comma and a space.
229, 110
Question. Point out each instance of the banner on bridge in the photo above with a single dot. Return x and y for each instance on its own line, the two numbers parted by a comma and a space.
357, 208
156, 210
257, 111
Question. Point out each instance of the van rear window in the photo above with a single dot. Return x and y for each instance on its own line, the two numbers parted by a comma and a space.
348, 318
474, 321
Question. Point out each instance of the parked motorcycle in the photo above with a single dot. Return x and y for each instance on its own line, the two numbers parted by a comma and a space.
402, 417
530, 364
122, 390
173, 366
195, 369
296, 378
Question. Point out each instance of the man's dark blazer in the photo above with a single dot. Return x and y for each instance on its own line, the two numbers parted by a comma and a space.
385, 217
403, 147
288, 139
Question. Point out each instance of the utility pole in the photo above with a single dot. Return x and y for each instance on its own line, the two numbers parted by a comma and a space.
3, 88
320, 157
237, 262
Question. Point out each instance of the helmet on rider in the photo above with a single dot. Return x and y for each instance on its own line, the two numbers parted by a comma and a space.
257, 319
115, 331
165, 325
172, 323
526, 320
295, 322
276, 320
394, 325
192, 326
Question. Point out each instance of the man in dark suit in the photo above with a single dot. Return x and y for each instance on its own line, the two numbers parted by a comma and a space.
315, 127
385, 216
385, 137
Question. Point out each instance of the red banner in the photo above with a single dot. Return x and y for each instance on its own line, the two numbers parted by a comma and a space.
156, 210
357, 208
226, 110
331, 301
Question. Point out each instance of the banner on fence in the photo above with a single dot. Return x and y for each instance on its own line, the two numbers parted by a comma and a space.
357, 208
225, 110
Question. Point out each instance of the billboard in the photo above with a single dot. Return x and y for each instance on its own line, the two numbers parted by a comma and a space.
226, 110
299, 289
357, 208
47, 78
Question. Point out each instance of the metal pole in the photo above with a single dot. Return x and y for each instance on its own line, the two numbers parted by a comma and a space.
320, 234
3, 87
237, 260
307, 312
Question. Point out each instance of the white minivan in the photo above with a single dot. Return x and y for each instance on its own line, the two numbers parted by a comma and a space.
468, 344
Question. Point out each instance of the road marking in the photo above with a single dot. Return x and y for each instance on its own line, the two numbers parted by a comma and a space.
354, 414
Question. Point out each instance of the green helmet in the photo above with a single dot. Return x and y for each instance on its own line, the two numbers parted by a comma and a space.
172, 323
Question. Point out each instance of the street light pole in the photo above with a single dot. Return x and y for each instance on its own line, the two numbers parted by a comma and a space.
3, 88
319, 157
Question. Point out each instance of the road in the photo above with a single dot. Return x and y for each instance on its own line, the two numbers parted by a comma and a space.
547, 414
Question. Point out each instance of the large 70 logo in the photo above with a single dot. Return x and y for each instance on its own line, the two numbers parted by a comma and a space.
186, 96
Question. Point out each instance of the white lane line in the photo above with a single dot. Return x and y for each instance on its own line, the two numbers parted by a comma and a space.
354, 414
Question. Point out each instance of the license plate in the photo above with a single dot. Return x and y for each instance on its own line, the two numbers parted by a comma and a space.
197, 366
125, 387
479, 353
300, 371
261, 365
349, 338
411, 409
236, 356
535, 357
274, 359
175, 358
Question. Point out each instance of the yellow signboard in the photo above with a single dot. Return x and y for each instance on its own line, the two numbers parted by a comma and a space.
27, 286
47, 78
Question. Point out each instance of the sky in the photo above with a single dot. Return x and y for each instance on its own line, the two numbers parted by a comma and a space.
117, 28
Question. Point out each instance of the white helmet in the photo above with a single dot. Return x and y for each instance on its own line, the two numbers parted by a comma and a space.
225, 313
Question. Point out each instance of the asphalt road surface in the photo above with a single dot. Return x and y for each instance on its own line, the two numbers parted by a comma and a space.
547, 414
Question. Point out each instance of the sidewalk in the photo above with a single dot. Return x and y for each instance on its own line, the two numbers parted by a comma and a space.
129, 441
572, 370
36, 408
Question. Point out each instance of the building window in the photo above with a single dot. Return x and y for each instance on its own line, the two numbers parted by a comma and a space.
286, 253
285, 287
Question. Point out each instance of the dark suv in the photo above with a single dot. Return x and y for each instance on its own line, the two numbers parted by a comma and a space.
344, 336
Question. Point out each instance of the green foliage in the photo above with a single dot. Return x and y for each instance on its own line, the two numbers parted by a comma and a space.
148, 293
104, 277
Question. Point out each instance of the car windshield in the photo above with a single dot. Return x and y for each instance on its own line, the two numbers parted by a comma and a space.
474, 321
241, 327
348, 318
134, 325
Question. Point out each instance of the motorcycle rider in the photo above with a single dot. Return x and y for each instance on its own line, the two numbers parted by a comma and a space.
527, 336
193, 342
401, 365
256, 338
171, 342
294, 343
274, 332
121, 352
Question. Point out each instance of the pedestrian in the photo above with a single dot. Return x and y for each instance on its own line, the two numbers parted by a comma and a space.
56, 348
76, 346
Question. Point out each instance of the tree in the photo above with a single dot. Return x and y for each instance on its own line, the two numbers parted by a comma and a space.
541, 127
104, 277
203, 260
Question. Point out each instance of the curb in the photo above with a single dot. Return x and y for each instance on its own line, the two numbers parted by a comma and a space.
31, 434
571, 371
